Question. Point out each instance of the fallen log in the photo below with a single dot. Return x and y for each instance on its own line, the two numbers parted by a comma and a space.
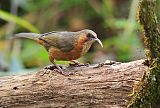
98, 86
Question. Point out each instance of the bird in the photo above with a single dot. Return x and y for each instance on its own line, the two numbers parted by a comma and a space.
64, 45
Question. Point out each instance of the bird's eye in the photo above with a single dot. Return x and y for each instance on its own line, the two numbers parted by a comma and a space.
89, 35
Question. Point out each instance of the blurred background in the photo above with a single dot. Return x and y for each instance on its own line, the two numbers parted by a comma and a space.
113, 20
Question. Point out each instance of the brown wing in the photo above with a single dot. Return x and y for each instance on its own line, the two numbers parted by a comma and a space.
65, 41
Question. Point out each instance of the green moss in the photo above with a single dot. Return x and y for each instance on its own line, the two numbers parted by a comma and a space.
147, 91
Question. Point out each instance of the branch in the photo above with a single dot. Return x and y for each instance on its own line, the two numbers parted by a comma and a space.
104, 86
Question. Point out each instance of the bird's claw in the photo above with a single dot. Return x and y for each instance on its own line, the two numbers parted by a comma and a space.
58, 69
51, 67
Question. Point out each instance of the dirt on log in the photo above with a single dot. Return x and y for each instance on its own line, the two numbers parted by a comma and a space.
104, 86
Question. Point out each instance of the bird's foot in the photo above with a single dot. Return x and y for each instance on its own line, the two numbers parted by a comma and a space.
51, 67
77, 64
59, 69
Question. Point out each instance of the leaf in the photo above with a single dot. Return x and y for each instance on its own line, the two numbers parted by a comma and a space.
9, 17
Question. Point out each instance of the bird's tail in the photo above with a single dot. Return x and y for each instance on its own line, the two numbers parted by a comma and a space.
33, 36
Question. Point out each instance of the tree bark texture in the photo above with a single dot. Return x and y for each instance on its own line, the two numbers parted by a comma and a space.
105, 86
147, 91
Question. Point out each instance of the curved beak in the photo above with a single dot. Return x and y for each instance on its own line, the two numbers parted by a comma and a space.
99, 41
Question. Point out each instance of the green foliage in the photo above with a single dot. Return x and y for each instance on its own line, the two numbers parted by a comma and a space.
29, 5
125, 46
117, 23
33, 55
66, 4
10, 17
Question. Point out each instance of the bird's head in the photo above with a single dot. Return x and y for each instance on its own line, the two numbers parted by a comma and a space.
91, 36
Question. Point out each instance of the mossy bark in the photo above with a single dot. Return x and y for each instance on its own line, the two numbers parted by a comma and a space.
147, 91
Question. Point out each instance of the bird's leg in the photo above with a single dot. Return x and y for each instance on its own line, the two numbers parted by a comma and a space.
58, 67
52, 67
55, 66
